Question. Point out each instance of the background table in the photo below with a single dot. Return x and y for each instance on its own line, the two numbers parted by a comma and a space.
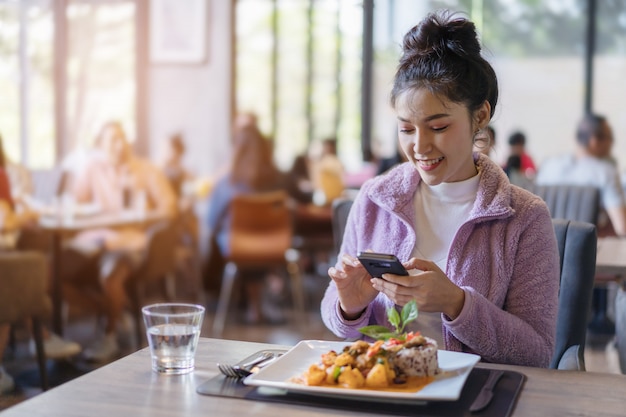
129, 387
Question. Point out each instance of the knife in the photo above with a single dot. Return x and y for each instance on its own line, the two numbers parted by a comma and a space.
485, 395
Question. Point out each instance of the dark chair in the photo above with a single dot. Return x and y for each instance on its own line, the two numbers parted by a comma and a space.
156, 268
571, 202
341, 209
577, 243
581, 203
261, 237
577, 250
24, 282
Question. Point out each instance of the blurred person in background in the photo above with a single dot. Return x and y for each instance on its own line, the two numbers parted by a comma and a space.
592, 165
185, 186
117, 182
327, 173
517, 144
11, 224
252, 170
513, 169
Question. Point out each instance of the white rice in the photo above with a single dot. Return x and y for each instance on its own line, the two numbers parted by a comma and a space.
418, 361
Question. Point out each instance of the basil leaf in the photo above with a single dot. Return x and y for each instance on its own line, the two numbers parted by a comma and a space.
409, 314
394, 318
376, 332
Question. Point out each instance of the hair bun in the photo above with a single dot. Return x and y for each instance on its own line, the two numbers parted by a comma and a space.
442, 34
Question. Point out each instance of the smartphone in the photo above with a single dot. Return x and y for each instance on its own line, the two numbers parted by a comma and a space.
378, 264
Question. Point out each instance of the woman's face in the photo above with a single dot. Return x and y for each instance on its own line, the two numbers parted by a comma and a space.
437, 135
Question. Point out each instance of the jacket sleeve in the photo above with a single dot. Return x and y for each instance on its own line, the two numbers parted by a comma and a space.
520, 327
375, 313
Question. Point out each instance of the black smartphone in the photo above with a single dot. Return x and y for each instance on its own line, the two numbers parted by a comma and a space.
378, 264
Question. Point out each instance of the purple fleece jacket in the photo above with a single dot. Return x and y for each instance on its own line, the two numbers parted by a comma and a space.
505, 258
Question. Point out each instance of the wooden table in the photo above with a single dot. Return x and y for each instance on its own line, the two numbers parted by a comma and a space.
61, 228
128, 387
611, 257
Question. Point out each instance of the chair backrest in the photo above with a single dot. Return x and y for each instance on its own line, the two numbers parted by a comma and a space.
577, 243
24, 281
160, 258
261, 227
571, 202
341, 209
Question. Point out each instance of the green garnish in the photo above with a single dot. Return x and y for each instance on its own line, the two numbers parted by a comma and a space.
398, 321
336, 372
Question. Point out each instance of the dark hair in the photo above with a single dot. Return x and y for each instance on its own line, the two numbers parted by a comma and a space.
252, 160
442, 54
589, 126
111, 124
177, 142
517, 138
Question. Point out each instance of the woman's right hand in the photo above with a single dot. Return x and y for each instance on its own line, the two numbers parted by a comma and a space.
353, 286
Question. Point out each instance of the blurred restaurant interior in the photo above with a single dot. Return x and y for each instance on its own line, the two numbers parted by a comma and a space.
178, 74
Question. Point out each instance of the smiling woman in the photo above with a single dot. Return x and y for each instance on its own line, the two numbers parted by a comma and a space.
485, 250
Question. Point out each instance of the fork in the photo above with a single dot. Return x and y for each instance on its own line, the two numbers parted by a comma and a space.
241, 371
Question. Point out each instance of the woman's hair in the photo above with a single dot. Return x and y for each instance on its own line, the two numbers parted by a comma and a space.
112, 124
590, 125
252, 160
442, 55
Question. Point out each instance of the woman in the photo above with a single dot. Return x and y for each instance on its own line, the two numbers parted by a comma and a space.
483, 254
252, 170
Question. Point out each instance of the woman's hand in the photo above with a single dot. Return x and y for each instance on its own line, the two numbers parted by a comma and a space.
353, 285
431, 289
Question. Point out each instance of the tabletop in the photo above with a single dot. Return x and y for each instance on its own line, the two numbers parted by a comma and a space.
129, 387
611, 257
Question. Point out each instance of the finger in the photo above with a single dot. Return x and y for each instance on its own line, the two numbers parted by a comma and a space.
350, 261
421, 264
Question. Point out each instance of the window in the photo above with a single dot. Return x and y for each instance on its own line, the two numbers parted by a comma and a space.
26, 82
298, 68
97, 82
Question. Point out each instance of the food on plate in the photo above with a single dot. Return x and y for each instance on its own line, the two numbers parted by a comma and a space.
397, 361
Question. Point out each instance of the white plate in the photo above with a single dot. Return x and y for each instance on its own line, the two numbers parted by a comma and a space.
447, 385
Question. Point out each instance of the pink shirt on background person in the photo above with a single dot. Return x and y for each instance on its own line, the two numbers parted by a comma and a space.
103, 183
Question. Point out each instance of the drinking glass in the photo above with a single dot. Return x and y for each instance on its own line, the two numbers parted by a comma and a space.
173, 330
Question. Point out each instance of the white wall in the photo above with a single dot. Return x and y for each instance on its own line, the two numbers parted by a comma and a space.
195, 99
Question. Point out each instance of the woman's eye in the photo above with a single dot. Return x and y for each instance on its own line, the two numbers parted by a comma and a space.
439, 128
407, 130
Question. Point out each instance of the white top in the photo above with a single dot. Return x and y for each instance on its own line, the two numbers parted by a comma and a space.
439, 212
586, 170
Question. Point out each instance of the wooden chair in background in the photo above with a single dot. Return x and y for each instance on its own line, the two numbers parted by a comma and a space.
261, 236
24, 282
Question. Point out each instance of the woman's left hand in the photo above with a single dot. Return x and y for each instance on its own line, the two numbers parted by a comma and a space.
431, 289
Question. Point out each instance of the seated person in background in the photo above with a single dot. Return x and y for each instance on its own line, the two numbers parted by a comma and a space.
11, 225
116, 183
252, 171
513, 169
180, 178
484, 252
590, 166
327, 174
299, 184
517, 143
485, 142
